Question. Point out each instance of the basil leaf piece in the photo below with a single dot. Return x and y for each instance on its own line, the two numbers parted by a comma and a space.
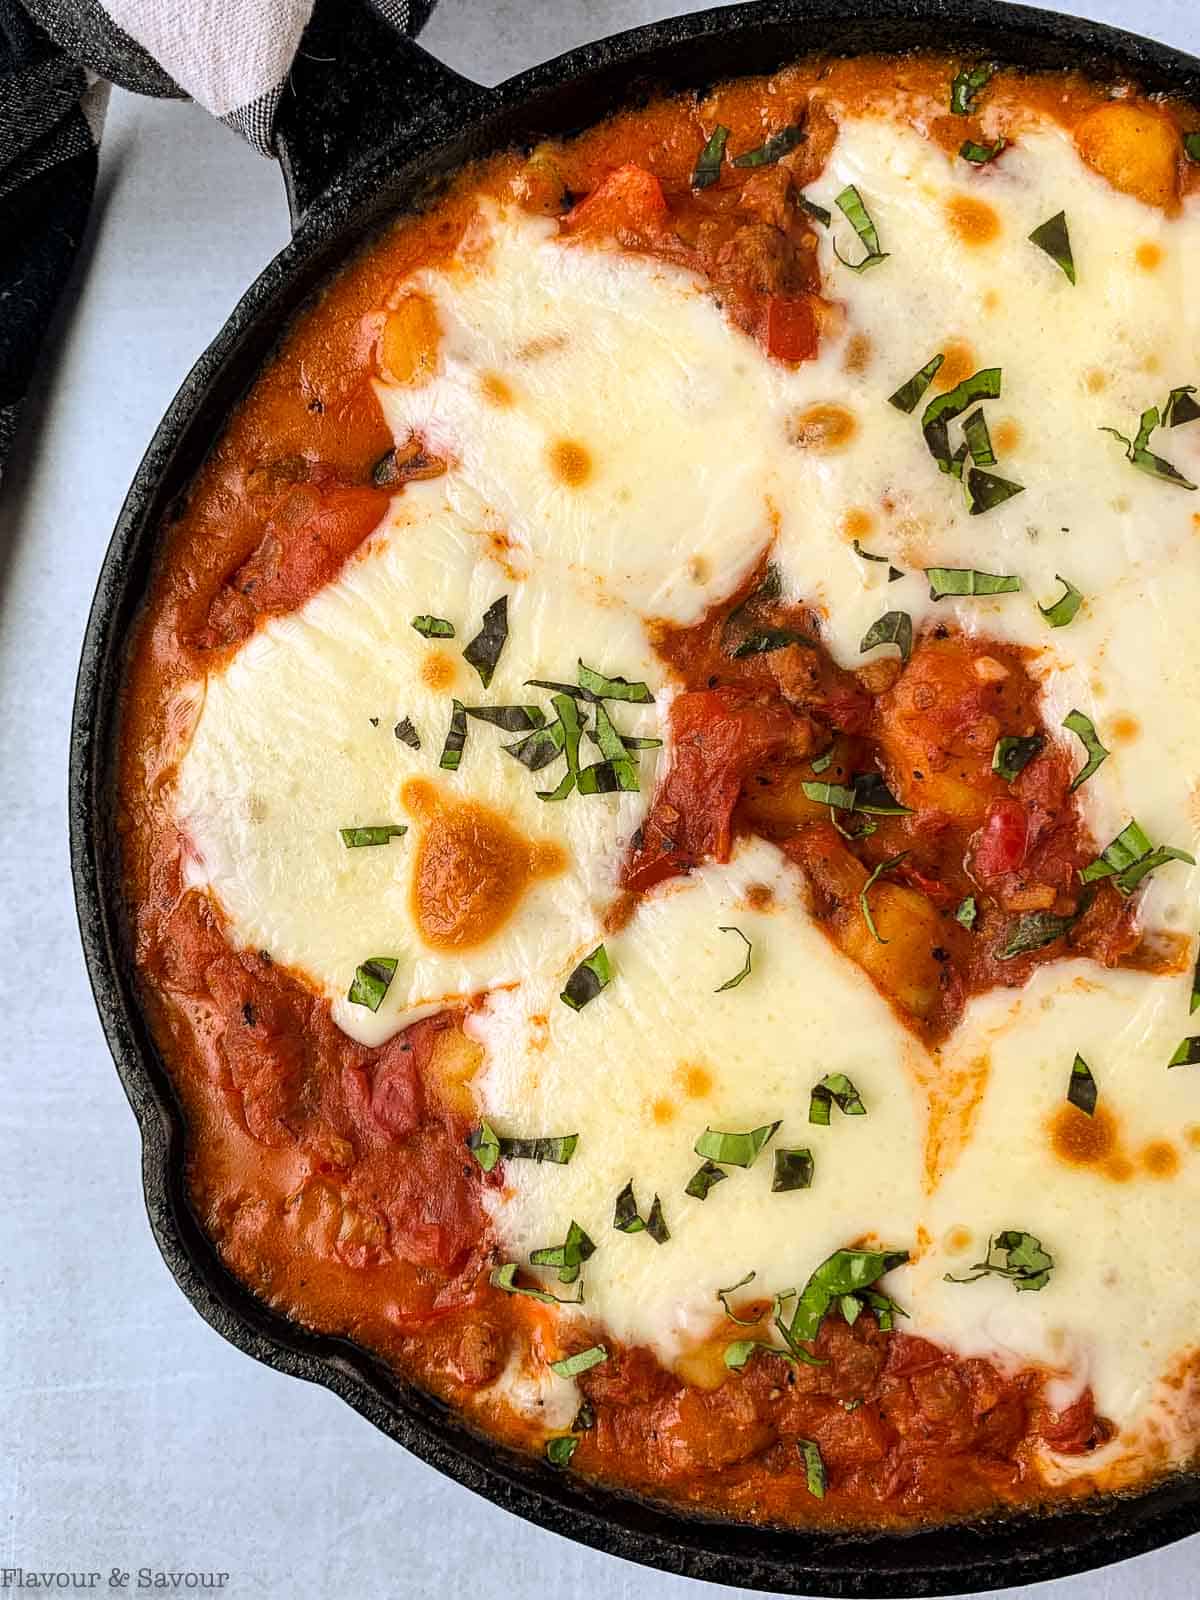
1191, 146
738, 1354
893, 572
1129, 858
565, 734
433, 627
558, 1148
850, 204
812, 209
505, 1278
708, 163
872, 795
372, 981
761, 641
944, 581
407, 734
656, 1223
884, 866
456, 738
894, 627
510, 719
966, 912
596, 686
834, 1089
483, 652
985, 491
702, 1180
1180, 407
723, 1297
569, 1256
734, 1149
617, 762
829, 794
964, 91
1012, 754
1025, 1263
1194, 1002
910, 394
1187, 1055
626, 1218
823, 763
538, 749
846, 1272
980, 154
744, 971
941, 411
1145, 460
1097, 755
793, 1170
1066, 607
978, 439
484, 1145
585, 1418
1034, 930
560, 1450
1054, 238
1081, 1087
778, 144
814, 1467
593, 974
359, 838
583, 1361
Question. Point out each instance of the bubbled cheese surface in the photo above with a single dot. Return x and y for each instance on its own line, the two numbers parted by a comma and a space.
692, 468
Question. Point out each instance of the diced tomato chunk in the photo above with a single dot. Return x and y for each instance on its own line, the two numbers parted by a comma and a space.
627, 205
1075, 1429
1001, 844
791, 328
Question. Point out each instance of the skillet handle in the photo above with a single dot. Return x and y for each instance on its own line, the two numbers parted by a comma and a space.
355, 82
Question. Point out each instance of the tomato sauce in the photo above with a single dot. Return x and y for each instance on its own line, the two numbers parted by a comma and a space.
335, 1179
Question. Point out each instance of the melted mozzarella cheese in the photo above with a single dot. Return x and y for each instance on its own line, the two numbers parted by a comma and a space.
688, 429
285, 752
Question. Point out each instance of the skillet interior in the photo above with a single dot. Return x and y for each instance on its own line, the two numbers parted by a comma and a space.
331, 121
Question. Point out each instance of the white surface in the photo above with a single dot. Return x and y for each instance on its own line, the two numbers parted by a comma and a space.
132, 1435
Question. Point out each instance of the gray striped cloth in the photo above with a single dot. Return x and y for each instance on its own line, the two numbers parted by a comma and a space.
57, 58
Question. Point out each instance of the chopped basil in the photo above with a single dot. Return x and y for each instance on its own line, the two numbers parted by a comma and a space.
539, 748
945, 581
593, 974
596, 686
433, 627
560, 1450
569, 1256
744, 971
845, 1274
966, 912
894, 627
1081, 1087
585, 1418
407, 734
456, 738
505, 1278
834, 1089
884, 866
1066, 607
908, 395
1012, 754
738, 1354
1191, 146
371, 982
814, 1467
583, 1361
1144, 459
484, 1145
1129, 858
723, 1297
510, 719
358, 838
830, 794
980, 154
793, 1170
850, 204
823, 763
778, 144
564, 734
656, 1223
626, 1218
978, 439
1097, 755
1034, 931
761, 641
812, 209
893, 572
1180, 407
483, 652
867, 793
702, 1180
1053, 237
964, 91
985, 491
734, 1149
618, 770
1025, 1263
1194, 1002
941, 411
708, 163
1187, 1055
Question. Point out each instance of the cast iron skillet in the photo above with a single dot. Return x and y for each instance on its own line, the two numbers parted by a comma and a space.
371, 125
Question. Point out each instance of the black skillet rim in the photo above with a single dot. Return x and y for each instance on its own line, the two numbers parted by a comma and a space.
1001, 1551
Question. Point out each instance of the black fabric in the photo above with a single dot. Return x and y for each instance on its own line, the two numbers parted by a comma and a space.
51, 54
